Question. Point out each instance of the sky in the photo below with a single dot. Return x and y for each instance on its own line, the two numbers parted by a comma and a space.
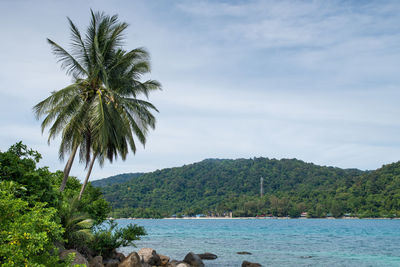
313, 80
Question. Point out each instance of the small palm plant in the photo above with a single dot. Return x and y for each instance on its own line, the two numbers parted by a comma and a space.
77, 225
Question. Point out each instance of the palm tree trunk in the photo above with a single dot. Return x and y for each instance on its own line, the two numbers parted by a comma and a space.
67, 168
87, 177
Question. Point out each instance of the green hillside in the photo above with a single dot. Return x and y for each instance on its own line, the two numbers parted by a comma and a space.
376, 193
291, 186
116, 179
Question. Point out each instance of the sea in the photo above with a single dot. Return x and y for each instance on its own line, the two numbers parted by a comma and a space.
275, 242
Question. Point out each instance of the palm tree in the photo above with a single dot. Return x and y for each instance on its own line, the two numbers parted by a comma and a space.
99, 113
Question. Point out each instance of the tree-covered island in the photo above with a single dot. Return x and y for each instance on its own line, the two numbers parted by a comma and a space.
291, 188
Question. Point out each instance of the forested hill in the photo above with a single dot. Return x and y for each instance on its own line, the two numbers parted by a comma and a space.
116, 179
290, 186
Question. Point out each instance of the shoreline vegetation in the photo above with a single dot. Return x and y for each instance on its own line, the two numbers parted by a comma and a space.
41, 226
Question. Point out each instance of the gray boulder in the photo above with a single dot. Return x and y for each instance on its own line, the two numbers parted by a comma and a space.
243, 253
132, 260
207, 256
164, 260
119, 256
175, 263
193, 259
250, 264
172, 263
96, 262
111, 262
149, 255
78, 259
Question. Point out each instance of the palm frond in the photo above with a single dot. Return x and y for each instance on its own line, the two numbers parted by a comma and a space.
68, 62
85, 224
80, 52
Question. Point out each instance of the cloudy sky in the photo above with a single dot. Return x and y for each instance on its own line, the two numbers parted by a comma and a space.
313, 80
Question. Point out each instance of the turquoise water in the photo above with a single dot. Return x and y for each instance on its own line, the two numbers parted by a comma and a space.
277, 242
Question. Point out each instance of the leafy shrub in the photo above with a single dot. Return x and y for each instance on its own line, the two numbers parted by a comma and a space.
33, 214
107, 237
27, 232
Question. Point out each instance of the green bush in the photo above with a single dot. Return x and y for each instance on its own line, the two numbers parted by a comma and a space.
107, 237
27, 232
34, 215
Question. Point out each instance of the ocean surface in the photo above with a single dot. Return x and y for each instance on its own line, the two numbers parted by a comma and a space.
276, 242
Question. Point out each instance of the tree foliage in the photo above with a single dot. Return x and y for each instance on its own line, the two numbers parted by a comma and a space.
291, 187
27, 231
101, 111
18, 164
35, 216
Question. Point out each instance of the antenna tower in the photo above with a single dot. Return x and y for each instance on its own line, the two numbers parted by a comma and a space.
261, 187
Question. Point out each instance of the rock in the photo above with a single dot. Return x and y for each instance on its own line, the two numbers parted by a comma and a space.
132, 260
193, 259
111, 262
250, 264
172, 263
243, 253
149, 255
175, 263
119, 256
164, 259
207, 256
79, 259
96, 262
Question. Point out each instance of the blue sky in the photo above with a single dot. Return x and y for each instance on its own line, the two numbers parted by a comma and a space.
313, 80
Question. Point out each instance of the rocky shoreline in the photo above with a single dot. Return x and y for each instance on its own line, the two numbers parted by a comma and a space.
146, 257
